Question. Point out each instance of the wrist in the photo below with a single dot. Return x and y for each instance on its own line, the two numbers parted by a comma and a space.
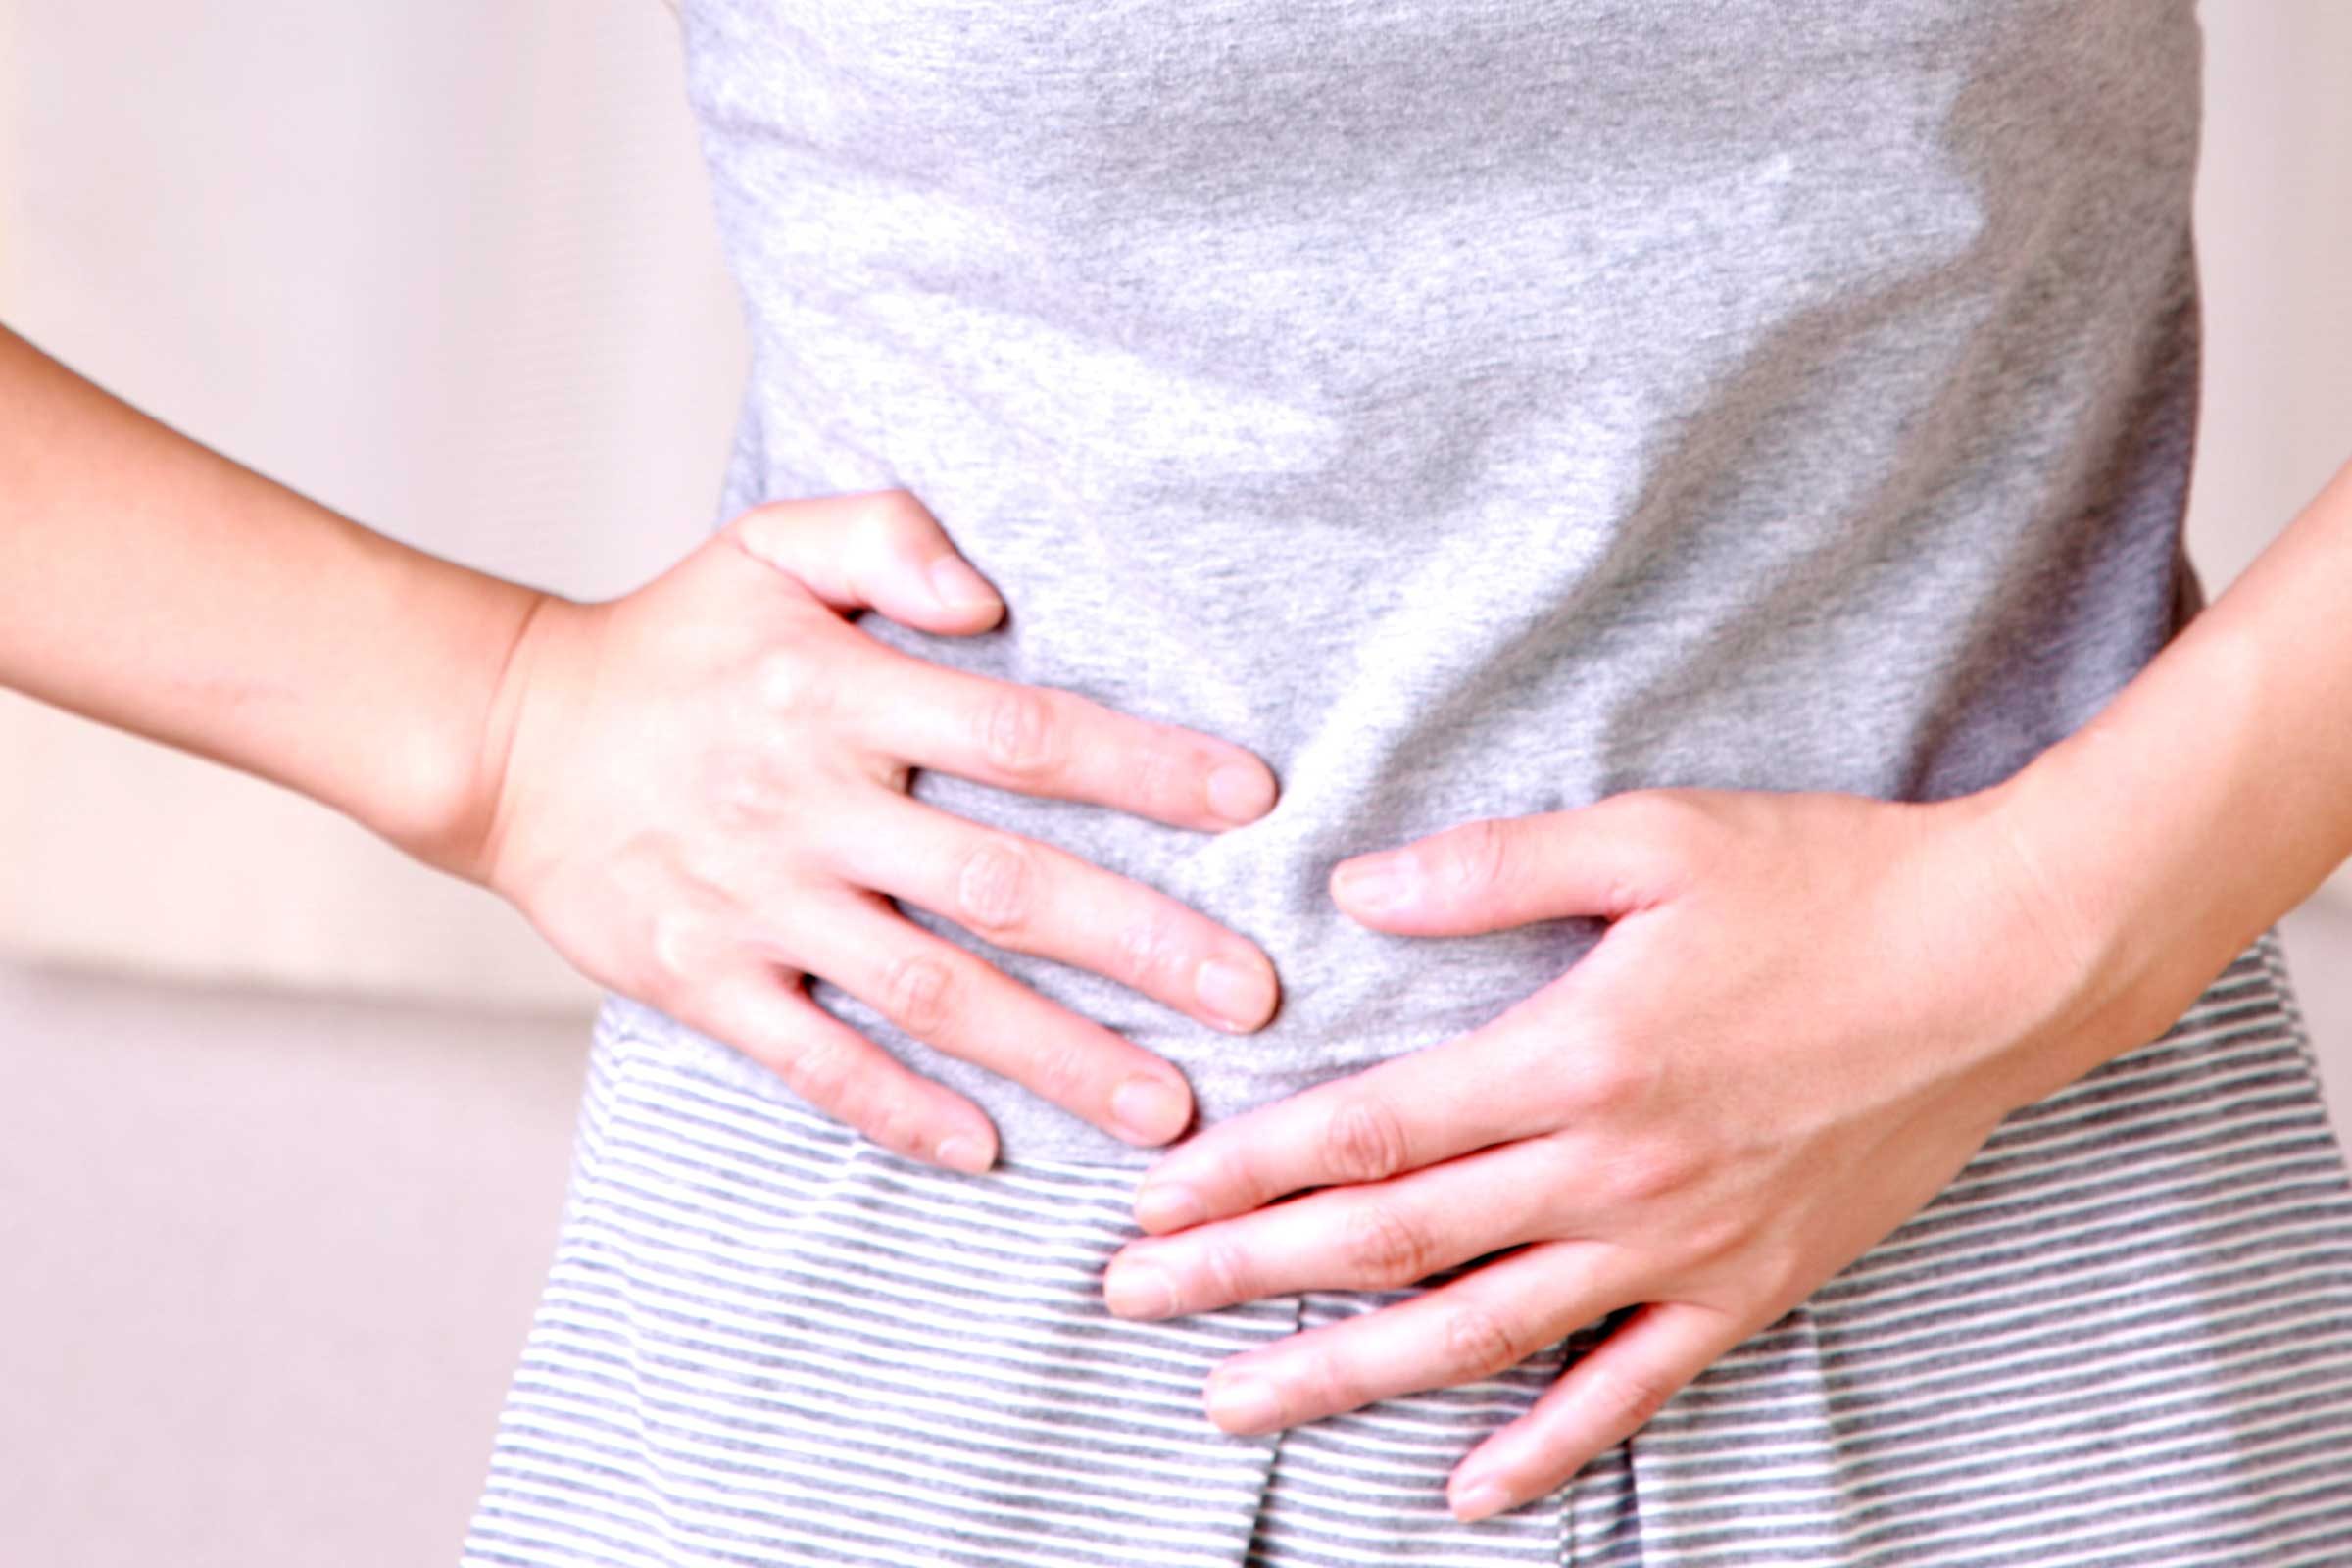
2116, 858
535, 703
439, 806
2046, 944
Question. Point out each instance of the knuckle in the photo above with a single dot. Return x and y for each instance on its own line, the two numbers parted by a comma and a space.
653, 984
1610, 1075
1649, 1170
1721, 1235
1362, 1141
1157, 781
1019, 735
1476, 858
1599, 1086
737, 787
673, 946
1627, 1396
822, 1070
897, 517
1058, 1069
1228, 1270
917, 993
1650, 814
998, 884
786, 685
1667, 826
1478, 1343
1148, 949
1336, 1382
1787, 1273
889, 1122
754, 530
1384, 1247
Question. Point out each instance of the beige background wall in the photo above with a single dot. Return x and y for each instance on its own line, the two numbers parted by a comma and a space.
287, 1114
448, 266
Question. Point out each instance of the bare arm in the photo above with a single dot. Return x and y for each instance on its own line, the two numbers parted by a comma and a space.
2210, 797
152, 584
656, 781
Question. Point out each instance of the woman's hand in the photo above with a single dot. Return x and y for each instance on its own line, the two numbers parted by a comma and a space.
700, 798
1809, 1012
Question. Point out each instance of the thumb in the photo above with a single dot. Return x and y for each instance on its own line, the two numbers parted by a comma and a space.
879, 549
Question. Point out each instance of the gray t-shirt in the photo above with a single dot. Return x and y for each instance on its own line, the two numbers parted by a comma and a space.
1474, 409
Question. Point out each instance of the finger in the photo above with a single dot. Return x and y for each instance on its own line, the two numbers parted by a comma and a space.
1488, 1321
881, 549
1605, 1398
771, 1018
1607, 859
952, 999
1042, 740
1392, 1234
1513, 1077
1033, 898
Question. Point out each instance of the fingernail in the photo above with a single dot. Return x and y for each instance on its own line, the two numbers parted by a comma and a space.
1138, 1290
1237, 992
1150, 1110
1383, 882
1240, 793
1244, 1404
1166, 1208
964, 1152
1477, 1500
959, 586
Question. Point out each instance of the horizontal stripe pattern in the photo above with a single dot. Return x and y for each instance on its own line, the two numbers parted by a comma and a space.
2121, 1336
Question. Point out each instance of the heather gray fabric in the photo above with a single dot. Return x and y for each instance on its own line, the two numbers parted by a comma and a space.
1475, 409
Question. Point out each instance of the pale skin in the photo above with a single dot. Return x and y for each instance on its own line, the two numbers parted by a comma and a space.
697, 792
1808, 1012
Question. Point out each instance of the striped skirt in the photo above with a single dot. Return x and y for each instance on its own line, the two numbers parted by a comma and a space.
2121, 1336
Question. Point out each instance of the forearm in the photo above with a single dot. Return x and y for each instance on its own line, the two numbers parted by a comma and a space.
152, 584
2212, 796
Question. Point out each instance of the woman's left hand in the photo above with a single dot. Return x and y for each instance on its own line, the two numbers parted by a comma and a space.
1808, 1011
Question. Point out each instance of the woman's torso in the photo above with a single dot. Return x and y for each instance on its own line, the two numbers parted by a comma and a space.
1475, 410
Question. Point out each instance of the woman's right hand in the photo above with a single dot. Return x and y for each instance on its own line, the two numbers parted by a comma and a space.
700, 797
